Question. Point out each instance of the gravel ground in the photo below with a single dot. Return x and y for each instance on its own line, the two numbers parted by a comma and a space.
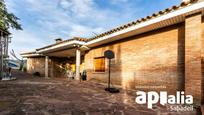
39, 96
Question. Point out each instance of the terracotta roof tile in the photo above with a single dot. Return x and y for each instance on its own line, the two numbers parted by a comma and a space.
167, 10
74, 38
148, 17
154, 15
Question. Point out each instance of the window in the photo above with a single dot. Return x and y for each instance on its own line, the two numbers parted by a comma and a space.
99, 64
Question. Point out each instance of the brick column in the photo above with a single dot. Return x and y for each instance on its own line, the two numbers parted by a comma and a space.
193, 66
46, 66
78, 59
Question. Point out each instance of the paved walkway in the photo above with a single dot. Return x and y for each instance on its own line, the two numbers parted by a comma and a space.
38, 96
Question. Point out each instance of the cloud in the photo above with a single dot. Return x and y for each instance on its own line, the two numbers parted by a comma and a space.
82, 30
118, 1
65, 4
62, 17
44, 20
78, 7
24, 41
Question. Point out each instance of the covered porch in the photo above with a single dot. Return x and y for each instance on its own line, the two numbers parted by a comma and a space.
62, 54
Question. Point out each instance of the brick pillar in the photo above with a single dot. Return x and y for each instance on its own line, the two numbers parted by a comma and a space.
78, 59
46, 66
193, 66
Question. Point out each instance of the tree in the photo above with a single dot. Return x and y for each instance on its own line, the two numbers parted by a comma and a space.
8, 20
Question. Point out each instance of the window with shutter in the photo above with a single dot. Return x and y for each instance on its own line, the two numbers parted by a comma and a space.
99, 64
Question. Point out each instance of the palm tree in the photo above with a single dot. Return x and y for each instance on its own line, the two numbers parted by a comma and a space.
8, 20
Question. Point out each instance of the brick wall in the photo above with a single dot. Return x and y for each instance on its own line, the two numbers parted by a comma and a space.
153, 58
193, 56
54, 63
172, 57
202, 60
36, 64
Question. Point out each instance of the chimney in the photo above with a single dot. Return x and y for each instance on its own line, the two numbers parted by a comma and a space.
58, 40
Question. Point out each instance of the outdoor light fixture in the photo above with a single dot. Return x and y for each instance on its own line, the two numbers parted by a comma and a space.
84, 48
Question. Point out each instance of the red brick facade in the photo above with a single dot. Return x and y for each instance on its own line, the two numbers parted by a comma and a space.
36, 64
193, 56
169, 57
146, 59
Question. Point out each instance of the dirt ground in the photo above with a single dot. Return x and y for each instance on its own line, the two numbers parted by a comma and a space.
39, 96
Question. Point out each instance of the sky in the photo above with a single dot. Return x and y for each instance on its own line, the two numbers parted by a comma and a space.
45, 20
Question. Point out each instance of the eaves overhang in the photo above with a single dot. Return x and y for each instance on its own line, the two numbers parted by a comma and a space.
30, 54
164, 20
61, 46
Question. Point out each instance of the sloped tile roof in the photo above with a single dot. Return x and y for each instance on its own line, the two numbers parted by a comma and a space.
154, 15
68, 40
31, 52
133, 23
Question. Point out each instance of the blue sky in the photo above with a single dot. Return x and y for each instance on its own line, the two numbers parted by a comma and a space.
45, 20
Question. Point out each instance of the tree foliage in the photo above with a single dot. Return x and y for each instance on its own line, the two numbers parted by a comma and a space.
8, 20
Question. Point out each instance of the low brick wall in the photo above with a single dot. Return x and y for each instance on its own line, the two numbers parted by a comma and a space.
36, 64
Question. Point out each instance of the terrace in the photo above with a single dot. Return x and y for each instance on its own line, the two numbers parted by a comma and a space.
39, 96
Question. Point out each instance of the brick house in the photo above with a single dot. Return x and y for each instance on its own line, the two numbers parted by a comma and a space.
164, 49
